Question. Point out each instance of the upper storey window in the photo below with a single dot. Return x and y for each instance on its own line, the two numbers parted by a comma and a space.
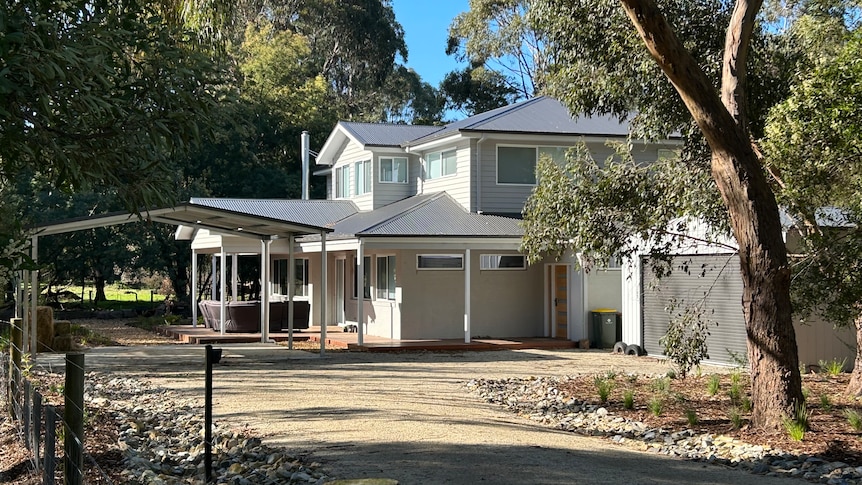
393, 170
363, 177
342, 182
440, 164
516, 165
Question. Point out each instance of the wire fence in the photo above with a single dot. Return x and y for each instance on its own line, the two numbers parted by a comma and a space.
49, 432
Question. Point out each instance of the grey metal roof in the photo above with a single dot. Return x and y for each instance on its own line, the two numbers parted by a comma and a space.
316, 212
225, 218
386, 134
426, 215
541, 115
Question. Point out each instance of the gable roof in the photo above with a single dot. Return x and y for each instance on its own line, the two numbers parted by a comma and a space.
541, 115
426, 215
369, 135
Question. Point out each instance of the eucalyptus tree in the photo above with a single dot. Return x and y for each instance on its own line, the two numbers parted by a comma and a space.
684, 66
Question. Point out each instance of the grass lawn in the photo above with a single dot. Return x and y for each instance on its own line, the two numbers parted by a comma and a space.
118, 296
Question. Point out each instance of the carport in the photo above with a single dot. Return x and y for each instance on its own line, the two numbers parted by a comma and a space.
190, 217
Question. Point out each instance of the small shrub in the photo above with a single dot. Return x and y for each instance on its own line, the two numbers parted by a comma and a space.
745, 404
698, 371
611, 375
736, 377
734, 393
671, 374
713, 385
656, 406
798, 424
833, 367
854, 418
825, 403
661, 384
685, 341
735, 418
603, 387
691, 417
628, 399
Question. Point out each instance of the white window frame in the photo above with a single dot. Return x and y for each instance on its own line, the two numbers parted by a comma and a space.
392, 160
485, 262
363, 166
378, 289
535, 163
443, 174
452, 256
342, 186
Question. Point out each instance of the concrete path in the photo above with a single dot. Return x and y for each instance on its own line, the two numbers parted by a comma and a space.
408, 416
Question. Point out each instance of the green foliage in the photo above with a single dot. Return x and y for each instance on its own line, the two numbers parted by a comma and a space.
661, 384
745, 404
832, 367
825, 402
685, 340
616, 208
736, 419
656, 405
628, 399
735, 393
476, 90
713, 384
854, 418
798, 424
691, 417
604, 386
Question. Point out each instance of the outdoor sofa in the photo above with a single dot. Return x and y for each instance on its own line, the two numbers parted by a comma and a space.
244, 316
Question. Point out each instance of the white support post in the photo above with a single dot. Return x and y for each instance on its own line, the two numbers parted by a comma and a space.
360, 291
264, 290
291, 275
467, 296
222, 289
234, 276
194, 292
323, 290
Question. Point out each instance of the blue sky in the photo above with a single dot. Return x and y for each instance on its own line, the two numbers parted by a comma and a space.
426, 24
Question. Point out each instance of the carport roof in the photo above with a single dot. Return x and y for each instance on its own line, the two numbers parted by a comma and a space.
191, 214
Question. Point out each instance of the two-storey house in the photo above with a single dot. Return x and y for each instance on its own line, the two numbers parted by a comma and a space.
426, 228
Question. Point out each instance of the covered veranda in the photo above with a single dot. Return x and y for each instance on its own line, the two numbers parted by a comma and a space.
190, 217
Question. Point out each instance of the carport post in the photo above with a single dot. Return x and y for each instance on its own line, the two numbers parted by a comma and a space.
212, 277
360, 290
323, 291
222, 289
291, 274
467, 296
194, 292
264, 289
25, 308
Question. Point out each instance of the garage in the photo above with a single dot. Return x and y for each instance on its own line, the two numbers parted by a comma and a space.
710, 280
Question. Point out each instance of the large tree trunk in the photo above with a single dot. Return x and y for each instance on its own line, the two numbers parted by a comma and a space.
99, 282
775, 379
854, 388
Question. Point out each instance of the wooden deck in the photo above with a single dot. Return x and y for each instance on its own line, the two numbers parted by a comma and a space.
336, 338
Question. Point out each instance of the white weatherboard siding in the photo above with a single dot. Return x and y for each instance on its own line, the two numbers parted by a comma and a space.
458, 185
388, 192
351, 154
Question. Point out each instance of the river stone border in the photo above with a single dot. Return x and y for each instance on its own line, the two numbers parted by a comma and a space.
161, 437
539, 400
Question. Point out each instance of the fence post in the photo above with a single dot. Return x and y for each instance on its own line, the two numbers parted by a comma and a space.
208, 415
37, 426
73, 462
50, 440
15, 375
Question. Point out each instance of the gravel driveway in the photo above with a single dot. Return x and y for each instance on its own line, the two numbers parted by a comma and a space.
408, 416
